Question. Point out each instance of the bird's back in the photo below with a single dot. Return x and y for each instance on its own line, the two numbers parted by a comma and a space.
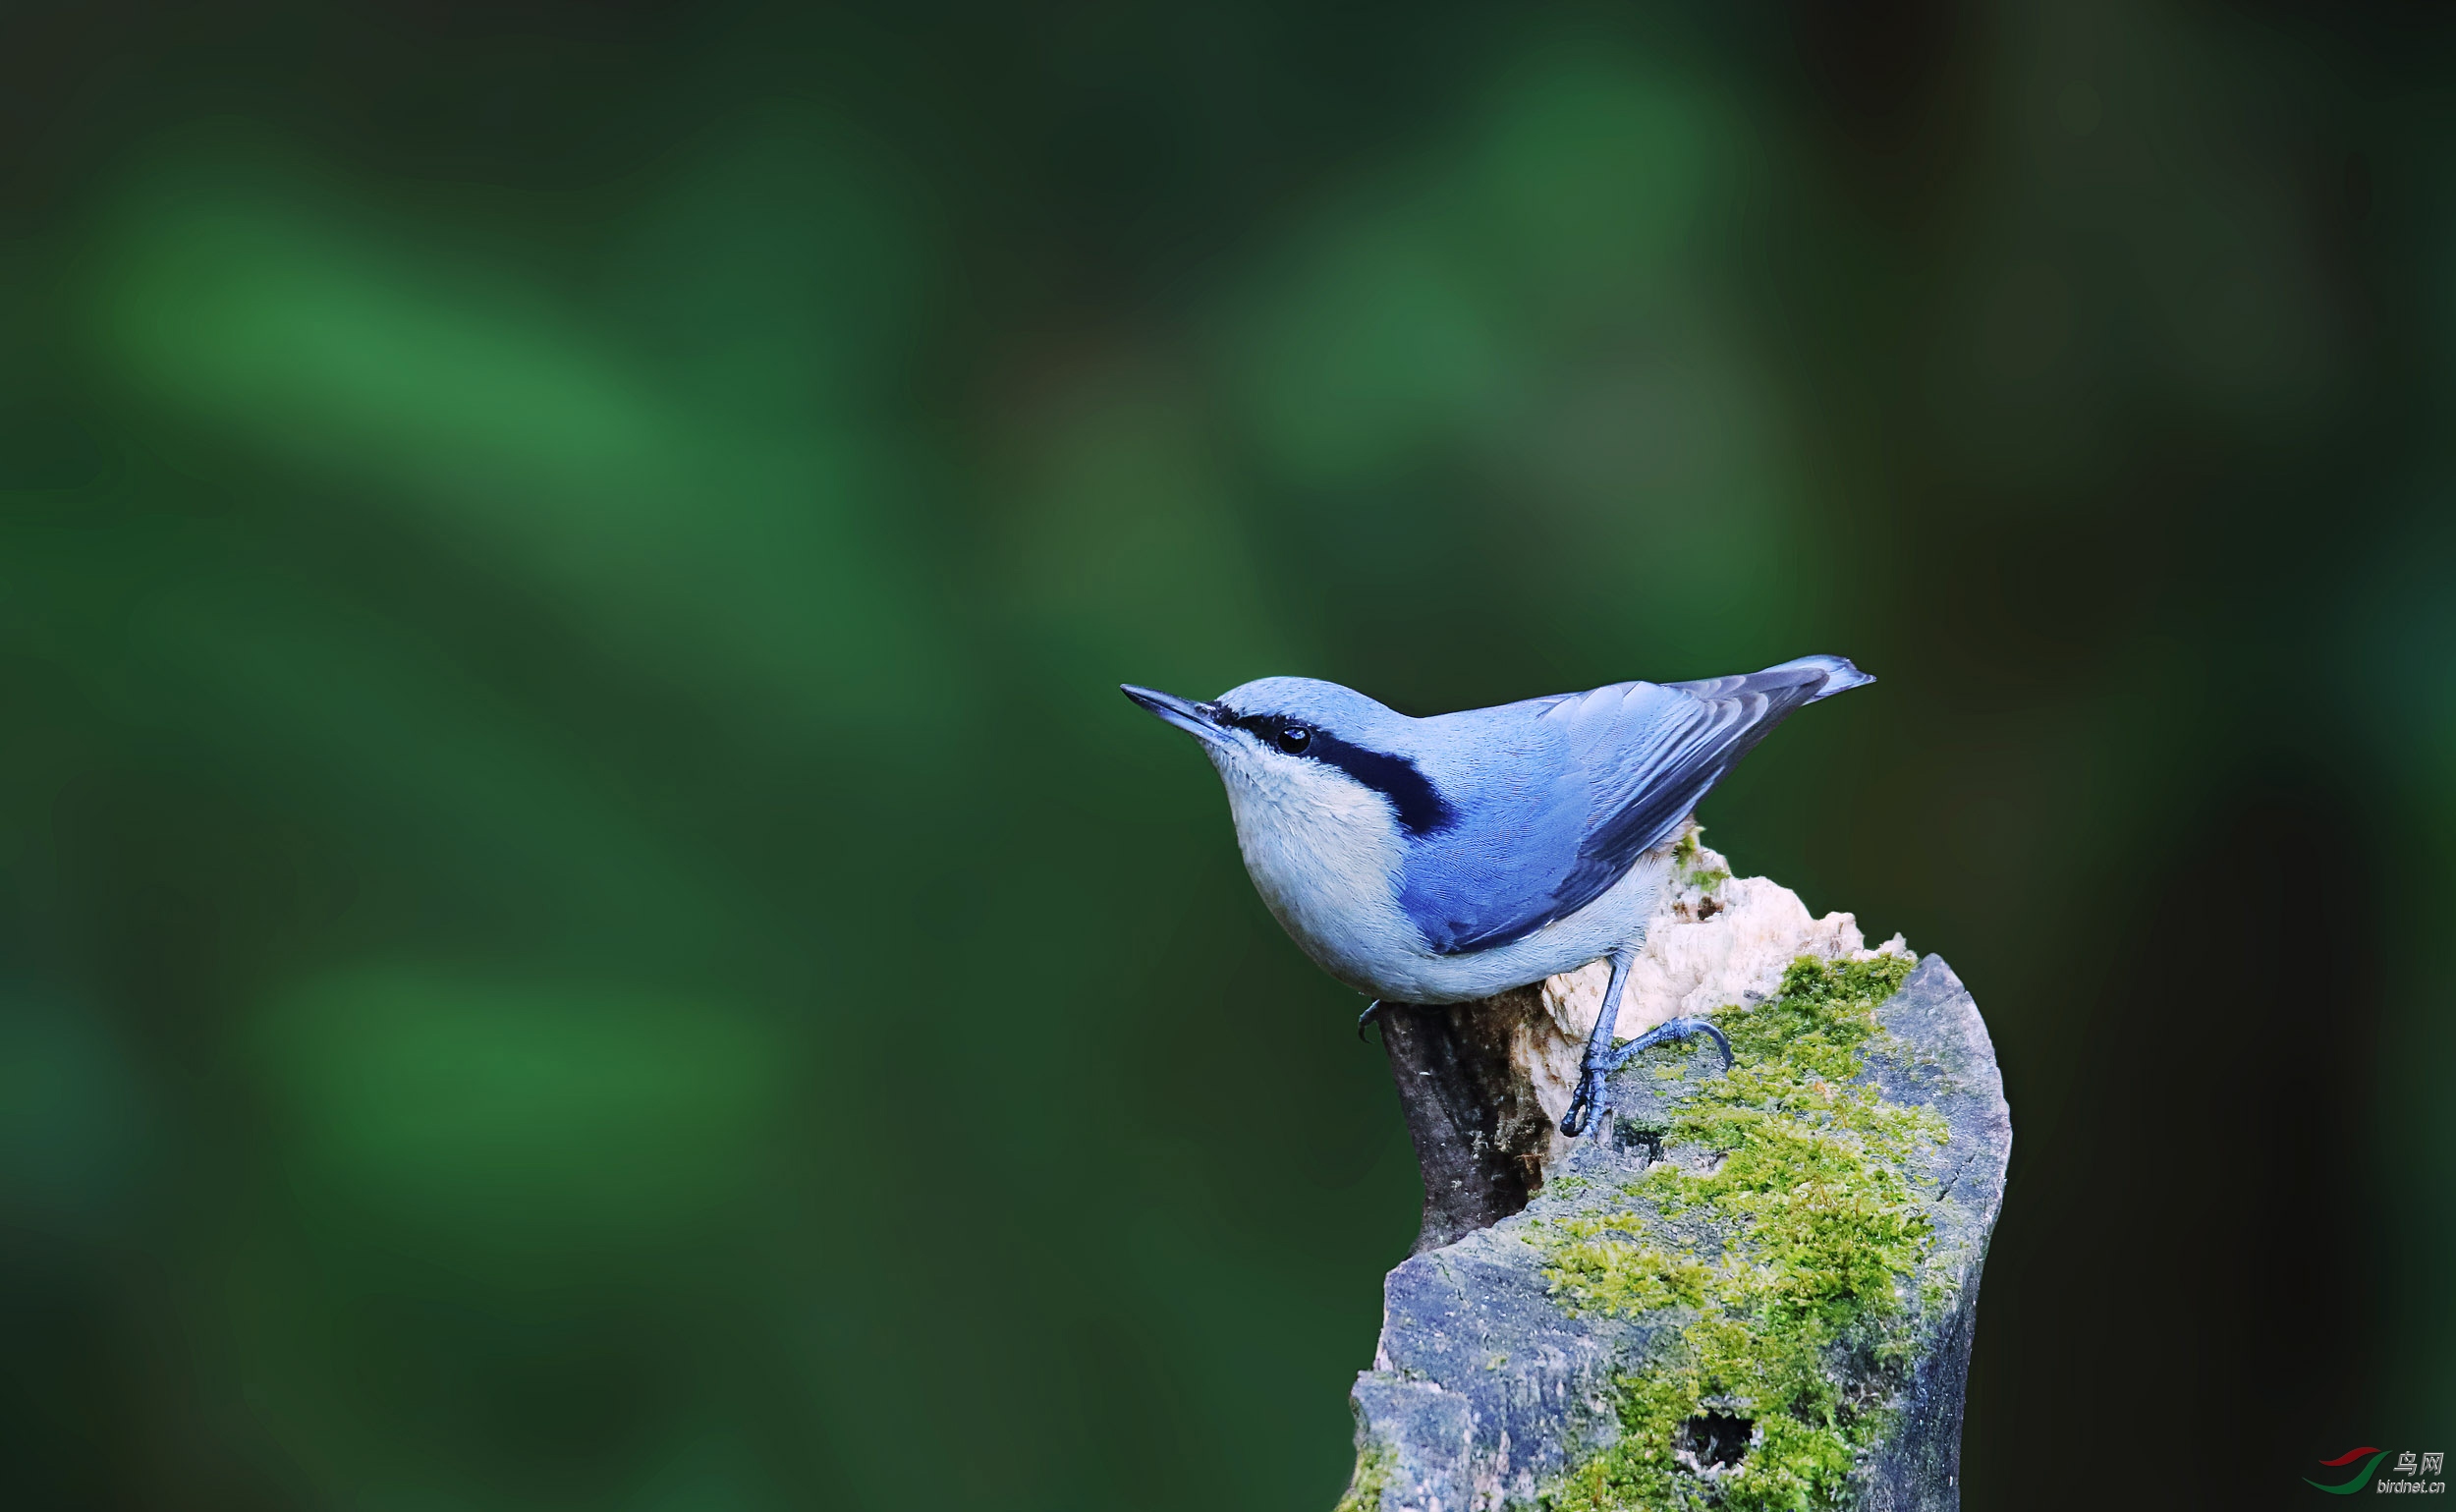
1556, 798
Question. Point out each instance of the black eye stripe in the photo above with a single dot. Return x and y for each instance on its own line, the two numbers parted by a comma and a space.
1421, 807
1273, 728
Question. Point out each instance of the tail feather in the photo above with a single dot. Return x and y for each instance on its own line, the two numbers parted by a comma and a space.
1831, 674
1840, 675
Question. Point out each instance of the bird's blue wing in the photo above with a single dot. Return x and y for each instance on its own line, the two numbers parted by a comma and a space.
1629, 761
1651, 760
1520, 805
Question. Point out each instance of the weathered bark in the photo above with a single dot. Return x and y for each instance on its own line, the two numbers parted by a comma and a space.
1482, 1135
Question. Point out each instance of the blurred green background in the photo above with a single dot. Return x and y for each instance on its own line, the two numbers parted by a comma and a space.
581, 925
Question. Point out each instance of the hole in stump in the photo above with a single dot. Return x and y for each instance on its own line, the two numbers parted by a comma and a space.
1716, 1439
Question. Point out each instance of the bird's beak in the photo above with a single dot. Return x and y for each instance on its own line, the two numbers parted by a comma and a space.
1192, 718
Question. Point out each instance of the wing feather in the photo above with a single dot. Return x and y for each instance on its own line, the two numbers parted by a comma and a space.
1640, 756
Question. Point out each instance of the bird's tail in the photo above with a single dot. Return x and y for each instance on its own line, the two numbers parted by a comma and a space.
1840, 675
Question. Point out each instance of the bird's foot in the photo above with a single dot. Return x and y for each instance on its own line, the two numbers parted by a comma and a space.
1367, 1017
1592, 1108
1663, 1033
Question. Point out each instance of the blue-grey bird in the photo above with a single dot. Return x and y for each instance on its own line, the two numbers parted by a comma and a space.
1443, 860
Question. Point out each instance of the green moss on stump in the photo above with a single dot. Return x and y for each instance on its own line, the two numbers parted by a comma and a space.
1787, 1269
1687, 871
1374, 1464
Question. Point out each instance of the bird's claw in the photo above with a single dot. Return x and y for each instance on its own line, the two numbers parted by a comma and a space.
1592, 1107
1371, 1013
1669, 1029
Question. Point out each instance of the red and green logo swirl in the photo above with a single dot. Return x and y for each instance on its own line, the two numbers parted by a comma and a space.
2362, 1476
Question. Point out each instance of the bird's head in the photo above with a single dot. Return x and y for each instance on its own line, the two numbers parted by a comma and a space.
1294, 740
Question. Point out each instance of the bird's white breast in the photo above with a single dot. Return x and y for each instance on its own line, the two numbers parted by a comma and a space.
1324, 852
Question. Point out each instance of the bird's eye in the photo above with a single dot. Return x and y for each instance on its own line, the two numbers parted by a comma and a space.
1294, 738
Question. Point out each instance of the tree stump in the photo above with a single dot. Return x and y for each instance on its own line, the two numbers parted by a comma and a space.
1608, 1322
